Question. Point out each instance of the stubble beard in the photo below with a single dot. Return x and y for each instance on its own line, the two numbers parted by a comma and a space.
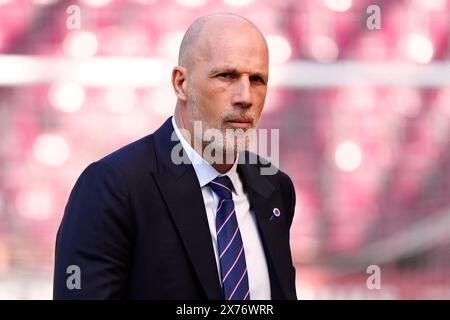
232, 141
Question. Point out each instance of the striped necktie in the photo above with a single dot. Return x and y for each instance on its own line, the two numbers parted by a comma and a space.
233, 268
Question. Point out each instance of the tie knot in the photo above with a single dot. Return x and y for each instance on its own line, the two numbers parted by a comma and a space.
222, 186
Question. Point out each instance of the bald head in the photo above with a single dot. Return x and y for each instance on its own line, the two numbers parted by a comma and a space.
208, 27
221, 80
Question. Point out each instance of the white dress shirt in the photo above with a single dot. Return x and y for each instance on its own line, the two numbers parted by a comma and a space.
258, 274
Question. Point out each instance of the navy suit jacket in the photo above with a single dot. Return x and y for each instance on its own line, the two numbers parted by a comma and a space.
135, 224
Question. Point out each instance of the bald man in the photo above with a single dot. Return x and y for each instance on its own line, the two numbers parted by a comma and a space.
184, 213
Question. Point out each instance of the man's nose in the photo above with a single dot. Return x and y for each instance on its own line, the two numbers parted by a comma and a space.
242, 96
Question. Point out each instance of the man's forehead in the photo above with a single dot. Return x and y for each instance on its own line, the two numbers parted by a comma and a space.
239, 52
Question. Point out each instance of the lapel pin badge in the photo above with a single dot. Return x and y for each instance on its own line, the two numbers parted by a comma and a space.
276, 213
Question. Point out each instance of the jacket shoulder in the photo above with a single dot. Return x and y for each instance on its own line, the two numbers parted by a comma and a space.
137, 157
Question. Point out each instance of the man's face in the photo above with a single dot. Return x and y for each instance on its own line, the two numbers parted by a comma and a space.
227, 84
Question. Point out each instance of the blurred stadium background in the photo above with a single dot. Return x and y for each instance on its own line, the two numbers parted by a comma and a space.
363, 117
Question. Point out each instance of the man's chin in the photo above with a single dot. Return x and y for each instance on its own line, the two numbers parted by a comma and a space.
237, 148
223, 151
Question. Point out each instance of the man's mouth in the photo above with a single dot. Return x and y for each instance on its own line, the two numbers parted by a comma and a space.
241, 123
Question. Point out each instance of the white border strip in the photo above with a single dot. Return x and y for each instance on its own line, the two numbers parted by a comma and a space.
16, 70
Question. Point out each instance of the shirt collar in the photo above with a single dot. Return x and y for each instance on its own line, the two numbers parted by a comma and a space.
205, 172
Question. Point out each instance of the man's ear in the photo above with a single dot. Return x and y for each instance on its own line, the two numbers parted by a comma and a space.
179, 78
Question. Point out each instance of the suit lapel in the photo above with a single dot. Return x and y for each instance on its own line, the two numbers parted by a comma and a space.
263, 200
182, 194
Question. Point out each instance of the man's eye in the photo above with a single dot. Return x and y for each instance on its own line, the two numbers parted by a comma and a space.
256, 79
227, 75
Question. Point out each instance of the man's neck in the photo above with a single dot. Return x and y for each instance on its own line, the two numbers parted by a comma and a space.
223, 167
